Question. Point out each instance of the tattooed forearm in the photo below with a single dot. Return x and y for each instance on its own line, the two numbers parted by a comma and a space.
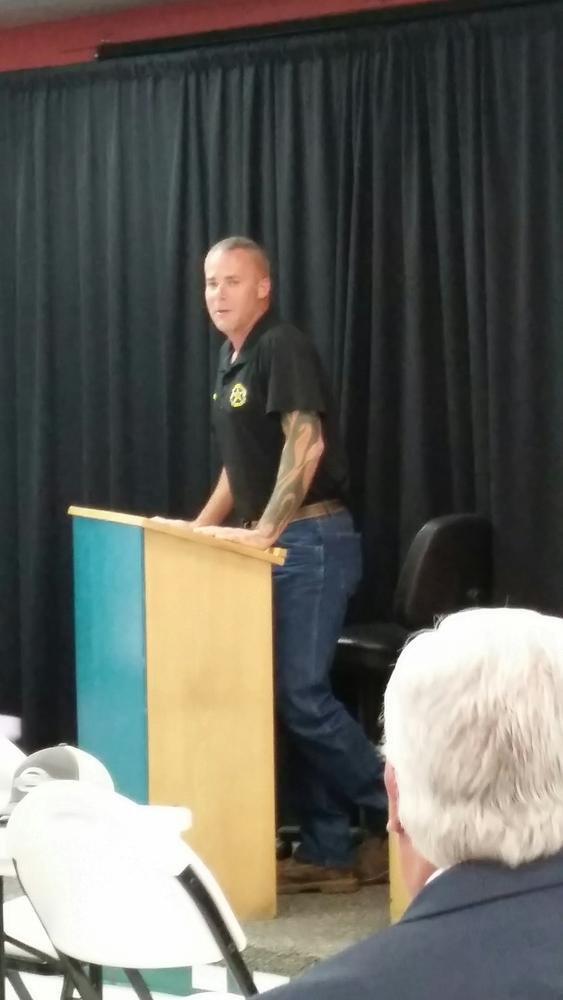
300, 457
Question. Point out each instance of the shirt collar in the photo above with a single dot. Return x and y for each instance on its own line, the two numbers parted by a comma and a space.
266, 321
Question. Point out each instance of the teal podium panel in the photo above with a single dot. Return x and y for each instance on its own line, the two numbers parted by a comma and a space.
109, 604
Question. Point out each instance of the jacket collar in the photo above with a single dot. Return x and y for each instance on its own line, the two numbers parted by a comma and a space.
475, 882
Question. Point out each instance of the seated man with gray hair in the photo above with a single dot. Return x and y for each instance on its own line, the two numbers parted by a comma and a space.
474, 772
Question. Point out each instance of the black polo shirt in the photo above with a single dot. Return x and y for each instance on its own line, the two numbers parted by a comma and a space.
277, 371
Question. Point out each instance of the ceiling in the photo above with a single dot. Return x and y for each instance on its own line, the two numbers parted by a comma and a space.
14, 12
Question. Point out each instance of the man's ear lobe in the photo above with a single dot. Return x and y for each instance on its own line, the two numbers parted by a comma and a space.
394, 825
264, 288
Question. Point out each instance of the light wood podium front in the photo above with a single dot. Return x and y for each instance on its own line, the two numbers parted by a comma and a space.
174, 685
399, 898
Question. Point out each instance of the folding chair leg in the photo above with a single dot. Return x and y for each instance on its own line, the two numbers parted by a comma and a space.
67, 991
96, 978
78, 978
232, 957
138, 984
18, 985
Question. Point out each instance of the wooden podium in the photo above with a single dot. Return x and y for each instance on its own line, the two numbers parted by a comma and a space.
399, 898
174, 684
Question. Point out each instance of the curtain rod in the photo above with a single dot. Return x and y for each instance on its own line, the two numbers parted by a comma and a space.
330, 22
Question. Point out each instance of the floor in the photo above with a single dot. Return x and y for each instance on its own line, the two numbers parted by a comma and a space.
313, 926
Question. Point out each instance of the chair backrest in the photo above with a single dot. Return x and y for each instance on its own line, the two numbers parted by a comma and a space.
448, 567
104, 881
52, 763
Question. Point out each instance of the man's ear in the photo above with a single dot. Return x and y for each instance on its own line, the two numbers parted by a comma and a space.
394, 824
264, 287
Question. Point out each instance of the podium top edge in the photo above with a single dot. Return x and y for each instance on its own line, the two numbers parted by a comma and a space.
276, 556
108, 515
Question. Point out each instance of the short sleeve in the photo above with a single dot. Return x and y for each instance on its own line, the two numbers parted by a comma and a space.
292, 372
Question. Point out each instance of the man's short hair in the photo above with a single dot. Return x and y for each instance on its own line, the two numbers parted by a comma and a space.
474, 732
243, 243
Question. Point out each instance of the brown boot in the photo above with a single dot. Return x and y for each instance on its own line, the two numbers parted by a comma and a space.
372, 861
298, 876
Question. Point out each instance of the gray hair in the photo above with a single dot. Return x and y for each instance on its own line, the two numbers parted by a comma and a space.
474, 732
242, 243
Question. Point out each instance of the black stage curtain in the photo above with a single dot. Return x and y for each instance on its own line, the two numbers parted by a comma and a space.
408, 181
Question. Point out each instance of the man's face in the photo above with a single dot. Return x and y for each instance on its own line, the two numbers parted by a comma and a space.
236, 290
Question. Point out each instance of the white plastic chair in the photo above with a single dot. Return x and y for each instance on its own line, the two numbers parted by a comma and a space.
112, 889
26, 945
19, 919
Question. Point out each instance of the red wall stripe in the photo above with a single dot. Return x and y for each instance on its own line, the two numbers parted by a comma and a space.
76, 40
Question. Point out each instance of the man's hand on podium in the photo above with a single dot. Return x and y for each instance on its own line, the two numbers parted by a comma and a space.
244, 536
175, 523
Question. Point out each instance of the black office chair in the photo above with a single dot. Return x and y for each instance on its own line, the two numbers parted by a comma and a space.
448, 567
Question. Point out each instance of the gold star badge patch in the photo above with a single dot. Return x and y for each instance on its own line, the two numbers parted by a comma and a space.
238, 395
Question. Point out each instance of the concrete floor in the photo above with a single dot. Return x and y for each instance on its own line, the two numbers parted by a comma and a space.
313, 926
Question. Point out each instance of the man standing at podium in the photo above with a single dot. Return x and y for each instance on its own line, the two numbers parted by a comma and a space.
284, 478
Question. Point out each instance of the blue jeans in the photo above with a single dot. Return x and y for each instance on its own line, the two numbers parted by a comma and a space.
334, 766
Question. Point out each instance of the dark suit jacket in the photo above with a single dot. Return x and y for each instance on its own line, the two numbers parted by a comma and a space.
479, 931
